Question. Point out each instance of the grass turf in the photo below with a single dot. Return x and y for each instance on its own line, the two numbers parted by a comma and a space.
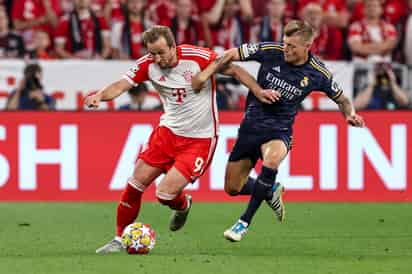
316, 238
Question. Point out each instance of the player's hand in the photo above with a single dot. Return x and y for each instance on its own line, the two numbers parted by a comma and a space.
268, 96
355, 120
92, 100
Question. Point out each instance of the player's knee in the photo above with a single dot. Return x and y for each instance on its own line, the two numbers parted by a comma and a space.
132, 181
164, 198
232, 190
272, 162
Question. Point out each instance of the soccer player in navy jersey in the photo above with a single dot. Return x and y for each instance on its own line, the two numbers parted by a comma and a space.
266, 130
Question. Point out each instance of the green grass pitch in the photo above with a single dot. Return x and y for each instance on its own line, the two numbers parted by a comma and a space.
316, 238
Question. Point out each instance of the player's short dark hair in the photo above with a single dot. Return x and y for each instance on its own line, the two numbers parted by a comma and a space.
152, 34
300, 28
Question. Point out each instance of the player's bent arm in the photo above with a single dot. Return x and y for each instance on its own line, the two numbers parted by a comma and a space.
114, 89
219, 64
345, 105
242, 76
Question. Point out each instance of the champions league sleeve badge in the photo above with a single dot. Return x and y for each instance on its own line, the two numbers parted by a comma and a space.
249, 49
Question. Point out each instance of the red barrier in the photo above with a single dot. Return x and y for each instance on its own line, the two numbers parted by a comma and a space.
87, 156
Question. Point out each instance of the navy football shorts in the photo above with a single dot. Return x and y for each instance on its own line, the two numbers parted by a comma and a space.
248, 145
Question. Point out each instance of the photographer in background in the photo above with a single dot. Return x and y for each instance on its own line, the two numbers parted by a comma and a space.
382, 92
29, 95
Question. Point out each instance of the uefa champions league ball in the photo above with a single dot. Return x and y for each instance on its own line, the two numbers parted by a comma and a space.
138, 238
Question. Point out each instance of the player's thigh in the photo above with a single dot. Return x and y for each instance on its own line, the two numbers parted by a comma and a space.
236, 174
173, 183
145, 173
273, 153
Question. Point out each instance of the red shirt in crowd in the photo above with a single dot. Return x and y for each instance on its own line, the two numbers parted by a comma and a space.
116, 14
26, 10
360, 31
328, 44
136, 42
62, 33
393, 10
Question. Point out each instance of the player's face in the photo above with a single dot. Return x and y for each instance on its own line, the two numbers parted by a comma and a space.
82, 4
135, 6
162, 54
295, 49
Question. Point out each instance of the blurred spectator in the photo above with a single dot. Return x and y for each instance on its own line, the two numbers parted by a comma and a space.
372, 38
31, 15
212, 14
225, 97
161, 12
186, 27
6, 5
140, 99
82, 34
127, 35
41, 45
110, 9
328, 41
383, 91
11, 44
270, 26
335, 14
393, 10
30, 95
233, 27
259, 8
405, 44
66, 6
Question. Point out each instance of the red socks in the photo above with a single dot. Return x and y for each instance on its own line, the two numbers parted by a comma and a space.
128, 208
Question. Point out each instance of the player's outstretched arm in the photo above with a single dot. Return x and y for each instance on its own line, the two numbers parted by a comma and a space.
107, 93
267, 96
348, 111
219, 64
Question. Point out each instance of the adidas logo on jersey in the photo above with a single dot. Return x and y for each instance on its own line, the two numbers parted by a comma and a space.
162, 78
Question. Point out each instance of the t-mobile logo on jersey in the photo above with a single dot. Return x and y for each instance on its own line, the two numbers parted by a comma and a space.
179, 93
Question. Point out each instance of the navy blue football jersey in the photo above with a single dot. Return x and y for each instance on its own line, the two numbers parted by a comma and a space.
293, 82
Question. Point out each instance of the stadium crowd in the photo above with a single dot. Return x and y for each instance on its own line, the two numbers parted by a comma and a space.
378, 31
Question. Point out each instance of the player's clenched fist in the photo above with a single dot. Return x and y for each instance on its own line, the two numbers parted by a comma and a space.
268, 96
93, 100
355, 120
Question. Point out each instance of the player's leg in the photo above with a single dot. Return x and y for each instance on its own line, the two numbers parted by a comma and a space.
273, 152
237, 180
193, 156
152, 162
170, 193
130, 202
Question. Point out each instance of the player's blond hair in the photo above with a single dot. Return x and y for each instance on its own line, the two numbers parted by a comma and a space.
299, 28
152, 34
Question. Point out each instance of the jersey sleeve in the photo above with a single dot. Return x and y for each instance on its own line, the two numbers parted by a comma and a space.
139, 72
331, 88
258, 51
202, 56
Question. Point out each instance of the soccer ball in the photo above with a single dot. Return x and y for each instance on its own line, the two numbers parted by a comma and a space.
138, 238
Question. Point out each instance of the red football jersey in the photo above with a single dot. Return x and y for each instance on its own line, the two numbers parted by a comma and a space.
62, 34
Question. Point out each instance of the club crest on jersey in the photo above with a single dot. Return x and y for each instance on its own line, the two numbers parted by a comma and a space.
187, 75
304, 82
